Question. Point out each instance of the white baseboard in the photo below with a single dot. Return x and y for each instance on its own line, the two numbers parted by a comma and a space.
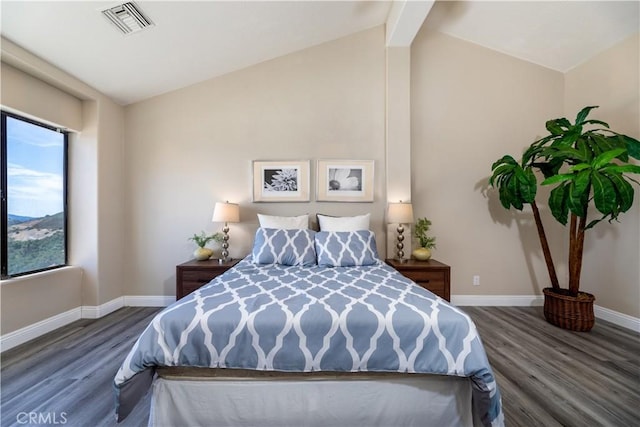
30, 332
620, 319
22, 335
148, 300
35, 330
96, 312
617, 318
498, 300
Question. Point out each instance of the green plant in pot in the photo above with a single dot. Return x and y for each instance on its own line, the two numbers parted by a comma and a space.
420, 232
202, 252
589, 167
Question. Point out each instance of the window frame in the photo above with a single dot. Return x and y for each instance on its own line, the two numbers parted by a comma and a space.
4, 214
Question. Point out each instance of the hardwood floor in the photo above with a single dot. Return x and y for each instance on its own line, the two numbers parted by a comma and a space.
552, 377
68, 374
547, 376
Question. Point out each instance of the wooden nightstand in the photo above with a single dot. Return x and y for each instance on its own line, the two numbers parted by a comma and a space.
432, 275
193, 274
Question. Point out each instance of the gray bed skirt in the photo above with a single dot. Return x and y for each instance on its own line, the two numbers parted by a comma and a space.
211, 398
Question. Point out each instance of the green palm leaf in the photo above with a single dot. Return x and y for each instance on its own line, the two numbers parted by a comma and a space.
506, 160
583, 114
567, 153
604, 193
624, 191
606, 157
558, 203
557, 178
555, 127
633, 146
514, 197
578, 193
595, 122
622, 168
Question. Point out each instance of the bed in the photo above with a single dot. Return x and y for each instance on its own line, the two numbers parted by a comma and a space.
311, 328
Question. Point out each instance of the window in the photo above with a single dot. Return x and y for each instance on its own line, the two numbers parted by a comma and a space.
34, 202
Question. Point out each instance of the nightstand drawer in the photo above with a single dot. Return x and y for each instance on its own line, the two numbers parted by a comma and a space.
433, 277
198, 276
433, 281
437, 288
188, 287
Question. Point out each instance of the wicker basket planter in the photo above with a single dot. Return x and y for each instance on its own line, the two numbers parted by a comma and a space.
569, 312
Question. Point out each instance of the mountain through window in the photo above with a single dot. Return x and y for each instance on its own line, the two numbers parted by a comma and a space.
34, 157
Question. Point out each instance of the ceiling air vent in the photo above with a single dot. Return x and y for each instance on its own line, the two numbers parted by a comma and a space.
128, 17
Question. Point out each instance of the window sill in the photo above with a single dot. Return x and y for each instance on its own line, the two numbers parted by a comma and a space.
40, 274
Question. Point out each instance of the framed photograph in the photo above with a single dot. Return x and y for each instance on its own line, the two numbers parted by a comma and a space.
345, 181
281, 181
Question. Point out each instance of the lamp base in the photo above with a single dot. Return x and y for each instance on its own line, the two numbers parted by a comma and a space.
400, 245
225, 243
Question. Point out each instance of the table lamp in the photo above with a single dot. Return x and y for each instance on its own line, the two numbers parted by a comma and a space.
400, 213
226, 212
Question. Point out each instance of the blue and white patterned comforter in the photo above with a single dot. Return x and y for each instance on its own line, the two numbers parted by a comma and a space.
304, 319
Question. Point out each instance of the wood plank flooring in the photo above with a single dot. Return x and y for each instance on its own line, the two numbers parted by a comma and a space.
547, 376
68, 373
552, 377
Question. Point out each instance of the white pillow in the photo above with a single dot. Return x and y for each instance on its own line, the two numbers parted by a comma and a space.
343, 223
284, 222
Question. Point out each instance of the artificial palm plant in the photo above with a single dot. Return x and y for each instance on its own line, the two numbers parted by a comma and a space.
589, 164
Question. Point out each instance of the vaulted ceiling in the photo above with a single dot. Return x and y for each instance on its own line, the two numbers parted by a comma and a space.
193, 41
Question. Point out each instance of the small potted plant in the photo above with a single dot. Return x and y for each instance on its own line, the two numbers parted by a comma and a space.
420, 232
589, 166
203, 253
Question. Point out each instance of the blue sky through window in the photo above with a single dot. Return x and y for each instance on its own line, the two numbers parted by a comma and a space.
35, 167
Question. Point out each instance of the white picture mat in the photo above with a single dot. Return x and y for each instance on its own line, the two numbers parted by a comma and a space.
264, 173
345, 180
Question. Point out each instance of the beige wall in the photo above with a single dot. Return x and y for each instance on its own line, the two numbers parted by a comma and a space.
611, 269
193, 147
23, 93
470, 106
111, 185
30, 299
35, 88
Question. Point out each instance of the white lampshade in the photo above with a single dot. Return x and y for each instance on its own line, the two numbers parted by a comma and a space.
226, 212
400, 213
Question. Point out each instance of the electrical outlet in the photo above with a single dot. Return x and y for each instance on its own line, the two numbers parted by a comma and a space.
476, 280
